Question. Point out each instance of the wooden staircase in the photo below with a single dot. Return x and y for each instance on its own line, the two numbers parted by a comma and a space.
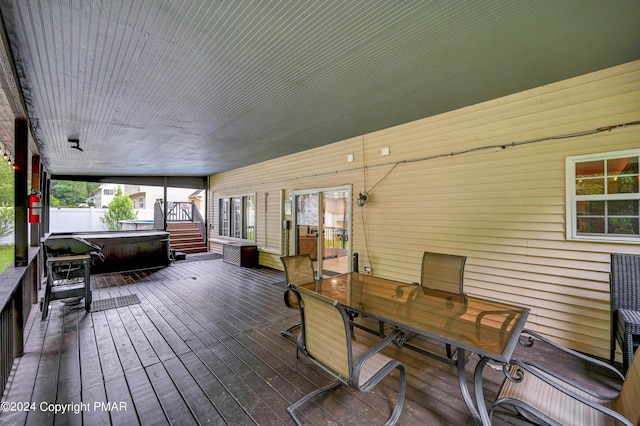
185, 238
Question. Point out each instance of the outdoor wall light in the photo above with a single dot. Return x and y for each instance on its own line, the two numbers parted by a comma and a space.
76, 144
362, 199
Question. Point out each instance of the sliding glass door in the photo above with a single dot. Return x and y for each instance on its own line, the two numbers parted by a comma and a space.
322, 228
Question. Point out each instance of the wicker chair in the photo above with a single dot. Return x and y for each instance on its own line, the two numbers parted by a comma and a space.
625, 305
444, 272
544, 397
298, 269
325, 338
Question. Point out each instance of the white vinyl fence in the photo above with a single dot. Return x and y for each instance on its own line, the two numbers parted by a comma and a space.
68, 219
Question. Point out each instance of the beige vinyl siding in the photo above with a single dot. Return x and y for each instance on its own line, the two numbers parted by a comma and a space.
503, 208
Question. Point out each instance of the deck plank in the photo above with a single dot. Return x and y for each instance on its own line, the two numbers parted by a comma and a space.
145, 400
197, 400
174, 406
203, 346
118, 394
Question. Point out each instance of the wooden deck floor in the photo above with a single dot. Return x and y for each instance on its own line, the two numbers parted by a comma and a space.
203, 347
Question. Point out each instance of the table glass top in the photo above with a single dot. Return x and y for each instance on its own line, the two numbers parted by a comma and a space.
479, 325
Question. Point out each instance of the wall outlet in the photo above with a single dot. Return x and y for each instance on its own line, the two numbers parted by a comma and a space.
367, 269
385, 151
350, 158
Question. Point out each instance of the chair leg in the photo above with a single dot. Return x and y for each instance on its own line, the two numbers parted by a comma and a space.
395, 415
289, 331
293, 407
627, 349
612, 353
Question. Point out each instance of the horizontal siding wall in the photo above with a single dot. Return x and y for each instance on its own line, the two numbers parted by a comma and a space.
504, 208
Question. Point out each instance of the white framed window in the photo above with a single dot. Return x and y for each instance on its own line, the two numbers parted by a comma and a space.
603, 197
237, 217
141, 202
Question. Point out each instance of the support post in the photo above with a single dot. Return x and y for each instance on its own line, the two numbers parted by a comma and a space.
46, 191
35, 184
166, 208
22, 154
17, 316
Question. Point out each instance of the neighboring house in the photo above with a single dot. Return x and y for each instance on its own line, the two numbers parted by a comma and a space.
104, 195
502, 182
144, 196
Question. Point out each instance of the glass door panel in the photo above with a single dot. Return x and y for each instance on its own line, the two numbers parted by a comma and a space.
322, 229
307, 211
335, 232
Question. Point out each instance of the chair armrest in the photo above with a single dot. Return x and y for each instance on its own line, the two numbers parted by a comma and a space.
607, 367
629, 316
565, 387
383, 370
379, 346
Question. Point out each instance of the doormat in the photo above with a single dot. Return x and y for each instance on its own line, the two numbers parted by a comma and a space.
114, 302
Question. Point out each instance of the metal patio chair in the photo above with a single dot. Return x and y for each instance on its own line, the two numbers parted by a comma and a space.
544, 397
326, 339
444, 272
625, 306
298, 269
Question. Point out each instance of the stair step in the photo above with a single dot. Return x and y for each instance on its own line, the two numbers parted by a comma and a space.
193, 250
181, 225
185, 237
197, 234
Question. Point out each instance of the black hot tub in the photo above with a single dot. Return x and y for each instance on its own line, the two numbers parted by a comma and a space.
126, 250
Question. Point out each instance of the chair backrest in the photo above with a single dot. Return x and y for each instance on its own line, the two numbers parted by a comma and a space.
443, 272
627, 403
298, 269
625, 281
325, 334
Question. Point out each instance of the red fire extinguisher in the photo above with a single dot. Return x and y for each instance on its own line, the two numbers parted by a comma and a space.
34, 207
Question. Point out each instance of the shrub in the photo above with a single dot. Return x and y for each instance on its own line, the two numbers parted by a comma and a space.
120, 208
6, 221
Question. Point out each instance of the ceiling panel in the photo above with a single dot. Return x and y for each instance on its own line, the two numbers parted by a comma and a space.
203, 86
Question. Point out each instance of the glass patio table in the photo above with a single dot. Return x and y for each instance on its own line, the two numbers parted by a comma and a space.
489, 329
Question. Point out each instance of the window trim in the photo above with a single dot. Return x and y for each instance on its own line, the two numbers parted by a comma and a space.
571, 198
228, 200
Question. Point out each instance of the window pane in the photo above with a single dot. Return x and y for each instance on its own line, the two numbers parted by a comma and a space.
622, 185
622, 166
224, 217
590, 187
590, 208
590, 169
236, 219
591, 225
623, 208
623, 225
250, 218
606, 196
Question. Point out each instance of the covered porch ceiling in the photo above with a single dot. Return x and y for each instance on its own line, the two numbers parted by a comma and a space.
194, 88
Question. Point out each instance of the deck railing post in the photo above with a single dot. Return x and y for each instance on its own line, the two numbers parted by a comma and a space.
17, 315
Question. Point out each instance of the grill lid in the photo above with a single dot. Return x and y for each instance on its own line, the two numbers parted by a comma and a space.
69, 245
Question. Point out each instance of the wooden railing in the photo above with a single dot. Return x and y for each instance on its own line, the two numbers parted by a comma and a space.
179, 211
18, 293
197, 218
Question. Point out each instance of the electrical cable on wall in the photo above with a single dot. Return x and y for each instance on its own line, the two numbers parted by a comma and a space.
498, 147
449, 154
